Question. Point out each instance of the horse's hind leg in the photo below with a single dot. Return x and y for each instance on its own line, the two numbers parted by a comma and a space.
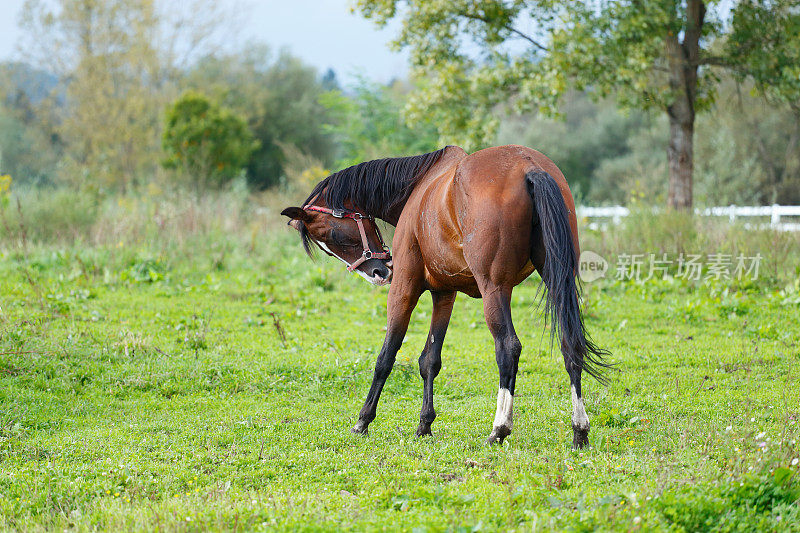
430, 362
580, 421
507, 348
403, 296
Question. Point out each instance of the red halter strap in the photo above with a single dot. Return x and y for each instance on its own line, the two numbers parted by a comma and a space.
366, 254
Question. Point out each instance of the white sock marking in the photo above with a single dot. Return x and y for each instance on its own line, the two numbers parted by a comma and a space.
579, 418
505, 409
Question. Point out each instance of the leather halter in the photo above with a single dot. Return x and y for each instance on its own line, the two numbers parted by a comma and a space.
366, 254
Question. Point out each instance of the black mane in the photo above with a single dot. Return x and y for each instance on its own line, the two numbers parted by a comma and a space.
376, 187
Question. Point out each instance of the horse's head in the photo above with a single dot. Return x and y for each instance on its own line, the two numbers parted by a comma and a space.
349, 236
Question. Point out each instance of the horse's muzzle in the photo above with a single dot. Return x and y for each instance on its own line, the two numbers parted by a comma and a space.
381, 278
378, 280
377, 272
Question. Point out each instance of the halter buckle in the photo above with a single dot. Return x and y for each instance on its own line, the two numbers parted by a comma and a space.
338, 213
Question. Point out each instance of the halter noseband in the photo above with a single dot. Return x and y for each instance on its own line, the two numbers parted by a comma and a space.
366, 254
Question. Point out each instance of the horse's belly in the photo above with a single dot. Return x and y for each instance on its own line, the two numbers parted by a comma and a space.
441, 248
444, 273
449, 273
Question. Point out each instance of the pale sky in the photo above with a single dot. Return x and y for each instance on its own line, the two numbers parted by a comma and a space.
322, 32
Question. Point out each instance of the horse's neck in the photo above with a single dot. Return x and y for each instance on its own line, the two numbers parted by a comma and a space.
390, 218
393, 217
450, 157
443, 169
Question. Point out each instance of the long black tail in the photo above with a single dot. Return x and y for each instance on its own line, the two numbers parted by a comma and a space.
560, 267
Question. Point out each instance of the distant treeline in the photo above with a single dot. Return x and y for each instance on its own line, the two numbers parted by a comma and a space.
85, 107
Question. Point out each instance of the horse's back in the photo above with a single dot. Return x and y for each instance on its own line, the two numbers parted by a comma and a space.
502, 168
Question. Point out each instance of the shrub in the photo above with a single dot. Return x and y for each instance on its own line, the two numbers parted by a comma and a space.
207, 142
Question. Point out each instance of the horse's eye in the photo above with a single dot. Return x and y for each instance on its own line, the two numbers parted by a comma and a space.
340, 239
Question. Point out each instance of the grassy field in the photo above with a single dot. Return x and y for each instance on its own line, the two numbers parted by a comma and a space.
213, 384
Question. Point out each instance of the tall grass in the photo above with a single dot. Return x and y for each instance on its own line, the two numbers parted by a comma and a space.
178, 223
46, 216
163, 220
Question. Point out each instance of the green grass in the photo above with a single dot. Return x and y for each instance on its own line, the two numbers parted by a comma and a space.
213, 386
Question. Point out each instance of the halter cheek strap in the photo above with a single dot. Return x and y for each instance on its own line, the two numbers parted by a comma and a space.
367, 253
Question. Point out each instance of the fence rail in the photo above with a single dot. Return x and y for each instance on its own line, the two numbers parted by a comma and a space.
614, 214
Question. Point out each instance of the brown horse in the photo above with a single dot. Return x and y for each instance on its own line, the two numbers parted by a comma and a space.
479, 224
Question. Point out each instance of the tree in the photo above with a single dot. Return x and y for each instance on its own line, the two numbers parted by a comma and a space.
102, 54
210, 144
658, 54
25, 152
745, 149
587, 136
765, 46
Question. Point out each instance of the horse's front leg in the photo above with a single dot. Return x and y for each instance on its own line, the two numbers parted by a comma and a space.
403, 296
430, 362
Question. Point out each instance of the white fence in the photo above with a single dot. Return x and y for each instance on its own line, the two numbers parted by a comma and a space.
771, 214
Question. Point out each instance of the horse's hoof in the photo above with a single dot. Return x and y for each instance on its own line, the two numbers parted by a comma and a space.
498, 435
580, 438
423, 430
360, 428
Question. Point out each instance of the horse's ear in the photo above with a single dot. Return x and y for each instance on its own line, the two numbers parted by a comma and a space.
297, 215
295, 212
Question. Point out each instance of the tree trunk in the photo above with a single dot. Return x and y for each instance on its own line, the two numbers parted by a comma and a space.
680, 159
683, 59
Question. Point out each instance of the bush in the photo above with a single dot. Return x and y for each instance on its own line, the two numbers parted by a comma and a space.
207, 142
